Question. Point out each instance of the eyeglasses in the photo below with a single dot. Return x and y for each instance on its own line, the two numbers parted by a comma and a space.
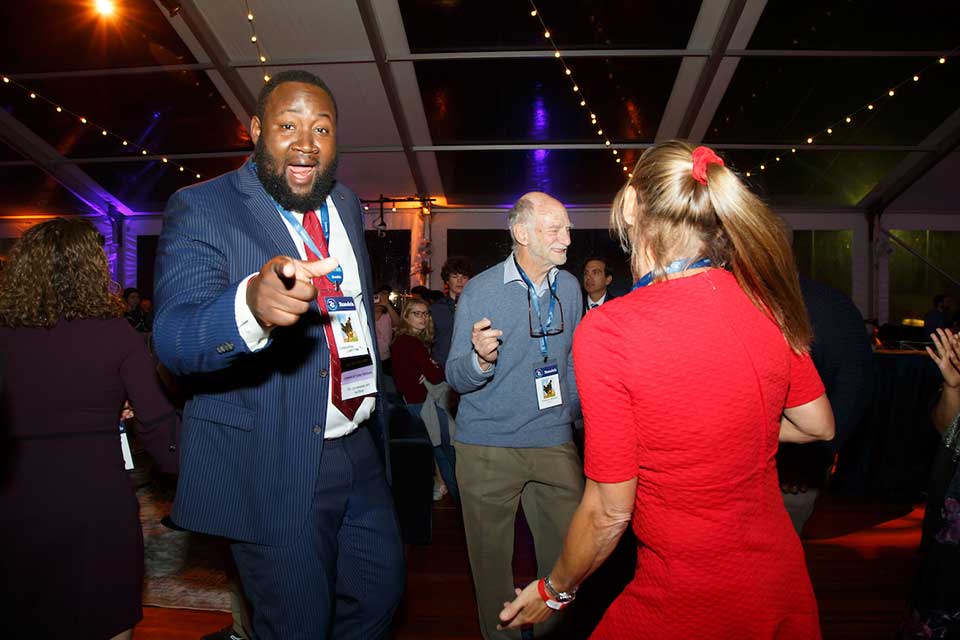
419, 314
550, 331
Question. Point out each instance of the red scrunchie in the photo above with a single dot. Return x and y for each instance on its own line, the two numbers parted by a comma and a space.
703, 156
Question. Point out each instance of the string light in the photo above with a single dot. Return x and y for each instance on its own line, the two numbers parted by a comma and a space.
869, 106
105, 132
568, 72
255, 41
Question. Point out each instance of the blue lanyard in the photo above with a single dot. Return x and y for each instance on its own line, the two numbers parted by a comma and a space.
336, 276
673, 267
535, 304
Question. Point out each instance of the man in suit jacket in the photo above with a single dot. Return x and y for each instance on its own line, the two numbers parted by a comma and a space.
276, 452
596, 278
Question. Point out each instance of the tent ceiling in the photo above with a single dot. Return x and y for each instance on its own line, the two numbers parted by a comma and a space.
464, 101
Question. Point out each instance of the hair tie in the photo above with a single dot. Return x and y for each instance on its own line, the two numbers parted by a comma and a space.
703, 156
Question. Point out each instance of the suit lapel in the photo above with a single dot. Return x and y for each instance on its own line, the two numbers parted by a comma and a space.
352, 221
262, 208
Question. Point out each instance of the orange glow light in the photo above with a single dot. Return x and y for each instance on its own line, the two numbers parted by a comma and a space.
104, 7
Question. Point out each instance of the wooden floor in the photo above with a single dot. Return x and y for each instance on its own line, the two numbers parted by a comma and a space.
860, 556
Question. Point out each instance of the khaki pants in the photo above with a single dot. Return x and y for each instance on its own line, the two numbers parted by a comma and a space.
492, 481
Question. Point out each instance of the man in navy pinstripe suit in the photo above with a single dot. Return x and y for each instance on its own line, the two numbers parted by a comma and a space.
272, 456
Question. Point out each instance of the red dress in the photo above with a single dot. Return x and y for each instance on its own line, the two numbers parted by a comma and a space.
683, 384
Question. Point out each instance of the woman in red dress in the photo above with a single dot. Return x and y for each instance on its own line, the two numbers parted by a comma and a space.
687, 384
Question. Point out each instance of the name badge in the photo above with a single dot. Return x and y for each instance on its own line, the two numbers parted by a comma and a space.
125, 447
347, 327
547, 380
361, 381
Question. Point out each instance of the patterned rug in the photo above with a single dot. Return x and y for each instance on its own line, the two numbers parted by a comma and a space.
183, 570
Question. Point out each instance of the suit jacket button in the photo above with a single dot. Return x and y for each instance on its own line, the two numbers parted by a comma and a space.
318, 430
323, 373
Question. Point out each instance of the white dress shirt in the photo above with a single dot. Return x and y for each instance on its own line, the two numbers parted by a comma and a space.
591, 304
256, 337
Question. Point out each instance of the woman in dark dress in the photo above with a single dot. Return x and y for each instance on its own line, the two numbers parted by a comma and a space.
71, 564
934, 607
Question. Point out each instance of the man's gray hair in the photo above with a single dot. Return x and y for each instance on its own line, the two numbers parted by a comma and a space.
520, 213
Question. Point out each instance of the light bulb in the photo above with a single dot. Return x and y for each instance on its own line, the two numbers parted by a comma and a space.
890, 93
263, 58
576, 88
748, 174
253, 39
829, 130
916, 78
848, 119
33, 95
942, 60
83, 120
809, 140
763, 167
533, 13
567, 71
870, 107
583, 103
599, 132
198, 176
556, 54
181, 168
125, 143
546, 34
793, 150
6, 79
143, 152
104, 132
164, 160
250, 17
59, 110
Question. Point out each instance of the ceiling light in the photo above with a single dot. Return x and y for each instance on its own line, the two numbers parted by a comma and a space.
104, 7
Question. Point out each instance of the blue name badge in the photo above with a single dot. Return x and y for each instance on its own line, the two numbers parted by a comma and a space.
348, 330
546, 378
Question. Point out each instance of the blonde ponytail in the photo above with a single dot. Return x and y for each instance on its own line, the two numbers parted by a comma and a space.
676, 216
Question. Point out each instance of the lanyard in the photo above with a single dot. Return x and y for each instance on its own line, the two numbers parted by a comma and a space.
535, 304
673, 267
336, 276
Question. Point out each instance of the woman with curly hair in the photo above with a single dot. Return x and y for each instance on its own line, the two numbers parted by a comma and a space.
69, 525
412, 366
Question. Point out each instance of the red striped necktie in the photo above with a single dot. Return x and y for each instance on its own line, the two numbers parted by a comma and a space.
327, 288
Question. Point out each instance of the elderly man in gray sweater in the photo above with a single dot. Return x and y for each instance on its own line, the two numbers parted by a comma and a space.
511, 359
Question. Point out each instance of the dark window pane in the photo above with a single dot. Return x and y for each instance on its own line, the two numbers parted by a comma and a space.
826, 256
482, 247
885, 25
465, 25
913, 284
500, 177
811, 178
390, 258
787, 100
29, 191
515, 101
177, 112
146, 256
